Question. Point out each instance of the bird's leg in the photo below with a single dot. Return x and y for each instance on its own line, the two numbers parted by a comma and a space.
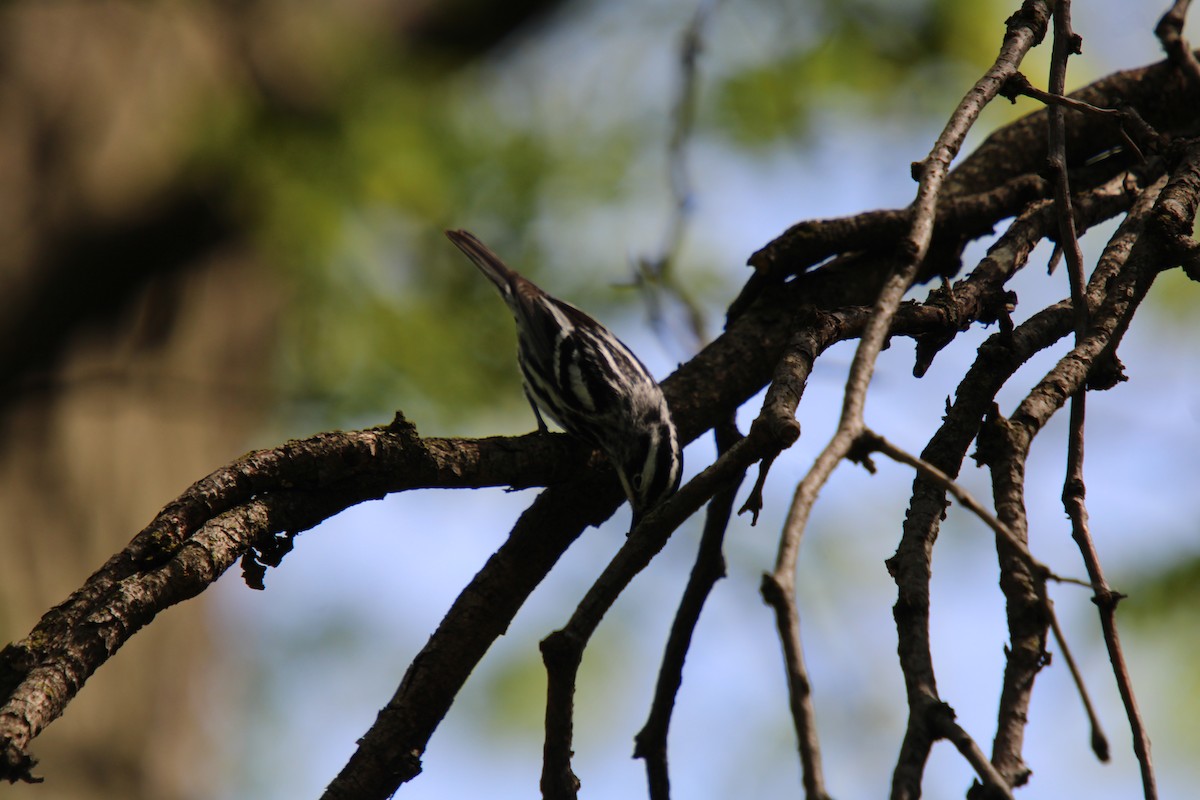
537, 413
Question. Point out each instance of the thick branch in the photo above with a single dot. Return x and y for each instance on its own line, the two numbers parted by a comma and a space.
289, 488
1158, 93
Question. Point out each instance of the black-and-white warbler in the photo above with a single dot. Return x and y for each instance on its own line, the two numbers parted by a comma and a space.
586, 380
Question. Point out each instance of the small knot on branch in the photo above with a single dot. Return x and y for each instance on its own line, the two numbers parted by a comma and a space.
18, 766
268, 551
562, 648
754, 503
1106, 599
860, 451
1100, 746
1107, 371
991, 442
1017, 85
403, 428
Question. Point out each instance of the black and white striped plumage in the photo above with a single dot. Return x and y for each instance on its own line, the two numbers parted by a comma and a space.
588, 382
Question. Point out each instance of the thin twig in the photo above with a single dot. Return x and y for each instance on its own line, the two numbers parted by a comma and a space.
1170, 32
1065, 44
656, 272
1018, 84
1106, 602
1022, 35
1099, 739
804, 718
991, 779
1025, 29
873, 442
562, 650
651, 741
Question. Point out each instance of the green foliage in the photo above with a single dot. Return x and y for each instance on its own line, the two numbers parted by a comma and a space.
1158, 607
900, 60
351, 187
1175, 295
1153, 599
511, 698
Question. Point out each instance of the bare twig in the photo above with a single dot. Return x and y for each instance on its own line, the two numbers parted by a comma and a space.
989, 777
656, 272
1018, 84
651, 740
1138, 136
870, 441
1170, 32
1025, 29
804, 718
1106, 602
1023, 33
1066, 42
1172, 211
562, 651
1098, 738
1125, 118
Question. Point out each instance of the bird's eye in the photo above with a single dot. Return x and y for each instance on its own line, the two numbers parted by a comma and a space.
637, 481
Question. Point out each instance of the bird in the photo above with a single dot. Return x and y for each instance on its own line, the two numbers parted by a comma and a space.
588, 381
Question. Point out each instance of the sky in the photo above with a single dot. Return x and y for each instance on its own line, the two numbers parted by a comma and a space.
325, 646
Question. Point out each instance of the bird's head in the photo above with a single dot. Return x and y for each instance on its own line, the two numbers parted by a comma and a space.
649, 465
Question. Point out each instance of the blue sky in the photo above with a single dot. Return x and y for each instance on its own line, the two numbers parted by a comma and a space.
328, 641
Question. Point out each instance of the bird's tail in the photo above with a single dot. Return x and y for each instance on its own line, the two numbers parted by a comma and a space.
488, 262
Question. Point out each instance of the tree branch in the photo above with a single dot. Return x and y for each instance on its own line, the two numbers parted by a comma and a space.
562, 651
1170, 32
650, 743
194, 539
772, 337
1025, 29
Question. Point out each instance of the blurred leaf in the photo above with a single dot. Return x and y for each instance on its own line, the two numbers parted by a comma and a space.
897, 59
373, 151
1154, 598
1175, 295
